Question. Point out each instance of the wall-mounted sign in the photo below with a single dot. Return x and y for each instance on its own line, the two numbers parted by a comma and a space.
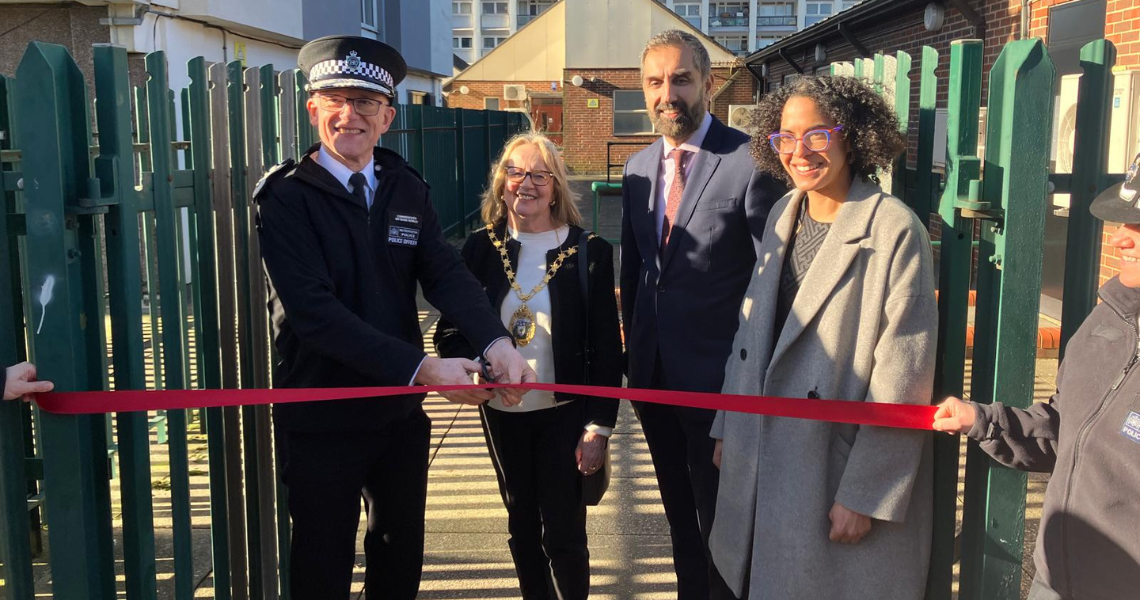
592, 103
554, 86
239, 52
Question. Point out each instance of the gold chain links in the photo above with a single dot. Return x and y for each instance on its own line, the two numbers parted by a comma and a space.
562, 256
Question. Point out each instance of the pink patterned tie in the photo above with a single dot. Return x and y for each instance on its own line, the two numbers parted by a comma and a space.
675, 192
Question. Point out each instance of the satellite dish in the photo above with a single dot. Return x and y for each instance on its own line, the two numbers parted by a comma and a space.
577, 80
464, 89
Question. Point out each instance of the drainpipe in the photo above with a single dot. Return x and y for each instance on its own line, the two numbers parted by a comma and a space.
1025, 10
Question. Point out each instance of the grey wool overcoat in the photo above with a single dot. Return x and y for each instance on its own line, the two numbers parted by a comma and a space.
861, 329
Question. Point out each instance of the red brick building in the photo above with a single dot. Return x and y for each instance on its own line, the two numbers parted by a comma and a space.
575, 71
888, 26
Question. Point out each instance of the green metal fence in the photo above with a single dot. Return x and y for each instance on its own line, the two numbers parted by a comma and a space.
130, 262
1004, 195
88, 231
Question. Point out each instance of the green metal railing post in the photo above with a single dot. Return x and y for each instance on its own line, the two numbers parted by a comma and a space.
258, 297
115, 167
207, 318
1009, 285
15, 533
56, 171
964, 99
901, 83
1083, 246
239, 155
174, 349
926, 188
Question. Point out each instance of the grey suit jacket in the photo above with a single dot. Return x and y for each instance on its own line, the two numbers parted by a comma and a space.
862, 329
683, 303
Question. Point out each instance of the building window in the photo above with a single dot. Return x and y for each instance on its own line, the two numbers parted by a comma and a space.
461, 7
461, 42
491, 42
776, 14
630, 115
494, 8
849, 3
534, 7
737, 44
763, 41
689, 11
791, 78
729, 14
490, 103
369, 18
816, 12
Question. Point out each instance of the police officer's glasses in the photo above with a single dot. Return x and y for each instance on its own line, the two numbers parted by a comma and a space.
365, 107
816, 140
540, 178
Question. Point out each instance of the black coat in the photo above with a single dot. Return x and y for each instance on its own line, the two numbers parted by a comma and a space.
342, 288
568, 332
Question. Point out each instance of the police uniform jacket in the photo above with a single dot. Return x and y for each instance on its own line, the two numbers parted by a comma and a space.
342, 288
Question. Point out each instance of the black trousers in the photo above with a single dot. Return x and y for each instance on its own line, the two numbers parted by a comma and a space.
327, 474
533, 453
682, 450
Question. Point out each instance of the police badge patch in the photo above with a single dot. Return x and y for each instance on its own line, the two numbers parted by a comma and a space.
1131, 428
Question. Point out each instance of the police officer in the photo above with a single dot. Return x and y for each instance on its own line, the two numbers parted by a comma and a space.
346, 235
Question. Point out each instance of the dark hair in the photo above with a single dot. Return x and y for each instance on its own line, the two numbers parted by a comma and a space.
870, 126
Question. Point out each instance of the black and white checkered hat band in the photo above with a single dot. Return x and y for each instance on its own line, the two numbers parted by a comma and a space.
338, 73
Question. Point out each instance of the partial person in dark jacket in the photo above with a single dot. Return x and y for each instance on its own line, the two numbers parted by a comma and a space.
1087, 435
20, 382
527, 258
346, 236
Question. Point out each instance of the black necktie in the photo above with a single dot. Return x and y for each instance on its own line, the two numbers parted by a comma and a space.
359, 188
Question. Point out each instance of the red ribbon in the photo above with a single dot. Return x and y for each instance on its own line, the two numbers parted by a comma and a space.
905, 416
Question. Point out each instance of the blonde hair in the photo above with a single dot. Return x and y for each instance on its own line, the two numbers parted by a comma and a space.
565, 210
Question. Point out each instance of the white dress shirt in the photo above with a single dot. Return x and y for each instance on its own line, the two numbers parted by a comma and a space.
667, 169
341, 172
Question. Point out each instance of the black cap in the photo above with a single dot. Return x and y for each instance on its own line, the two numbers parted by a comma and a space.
346, 61
1121, 202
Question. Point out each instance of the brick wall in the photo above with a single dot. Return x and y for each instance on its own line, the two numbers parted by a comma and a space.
1122, 28
479, 91
588, 129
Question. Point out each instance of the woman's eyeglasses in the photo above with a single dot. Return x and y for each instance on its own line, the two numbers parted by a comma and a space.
365, 107
816, 140
540, 178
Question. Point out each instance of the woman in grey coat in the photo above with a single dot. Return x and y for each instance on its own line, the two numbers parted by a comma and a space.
841, 306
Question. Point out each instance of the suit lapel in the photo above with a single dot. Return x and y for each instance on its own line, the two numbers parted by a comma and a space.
835, 256
643, 214
705, 165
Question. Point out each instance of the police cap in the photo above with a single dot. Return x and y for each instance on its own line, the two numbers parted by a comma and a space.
1121, 202
346, 61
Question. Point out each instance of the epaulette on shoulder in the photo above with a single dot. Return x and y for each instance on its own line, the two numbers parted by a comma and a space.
413, 171
275, 172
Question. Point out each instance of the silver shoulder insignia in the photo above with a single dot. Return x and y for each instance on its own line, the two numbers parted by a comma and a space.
274, 172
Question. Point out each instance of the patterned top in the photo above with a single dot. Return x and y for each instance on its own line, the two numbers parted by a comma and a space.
802, 248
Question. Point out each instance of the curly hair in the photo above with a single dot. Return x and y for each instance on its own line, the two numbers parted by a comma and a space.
869, 123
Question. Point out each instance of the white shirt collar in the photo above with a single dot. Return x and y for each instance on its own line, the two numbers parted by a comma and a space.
693, 144
338, 170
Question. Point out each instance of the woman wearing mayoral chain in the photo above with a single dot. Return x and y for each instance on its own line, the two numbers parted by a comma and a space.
528, 258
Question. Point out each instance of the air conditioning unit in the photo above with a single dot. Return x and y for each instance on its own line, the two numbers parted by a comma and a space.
514, 92
740, 116
1124, 131
1064, 130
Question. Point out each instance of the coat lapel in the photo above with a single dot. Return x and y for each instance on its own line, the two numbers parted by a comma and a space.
704, 166
839, 249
